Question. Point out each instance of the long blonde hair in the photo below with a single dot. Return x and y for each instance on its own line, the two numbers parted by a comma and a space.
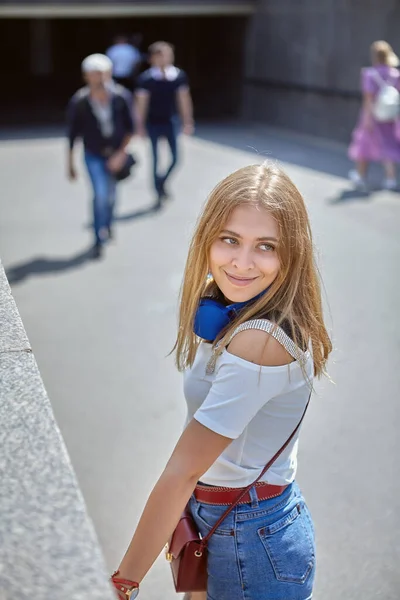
294, 296
383, 54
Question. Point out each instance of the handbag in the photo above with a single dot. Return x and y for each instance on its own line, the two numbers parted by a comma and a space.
125, 171
386, 107
187, 550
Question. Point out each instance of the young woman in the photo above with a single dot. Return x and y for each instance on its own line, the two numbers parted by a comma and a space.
374, 140
251, 338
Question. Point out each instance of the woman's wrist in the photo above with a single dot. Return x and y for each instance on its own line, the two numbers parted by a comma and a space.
126, 588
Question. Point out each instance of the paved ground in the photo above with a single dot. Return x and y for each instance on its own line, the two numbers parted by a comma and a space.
101, 333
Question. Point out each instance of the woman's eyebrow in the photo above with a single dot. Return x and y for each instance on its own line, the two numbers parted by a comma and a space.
260, 239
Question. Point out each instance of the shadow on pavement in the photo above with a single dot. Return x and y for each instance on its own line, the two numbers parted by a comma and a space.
286, 146
316, 154
255, 138
348, 195
31, 133
137, 214
43, 265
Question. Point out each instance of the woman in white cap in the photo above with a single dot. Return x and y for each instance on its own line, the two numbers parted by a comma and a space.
100, 114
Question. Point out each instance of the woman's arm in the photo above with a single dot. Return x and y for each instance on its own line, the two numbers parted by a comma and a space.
368, 101
196, 451
199, 446
369, 89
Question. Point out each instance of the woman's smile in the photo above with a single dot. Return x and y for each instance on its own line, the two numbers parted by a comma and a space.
240, 281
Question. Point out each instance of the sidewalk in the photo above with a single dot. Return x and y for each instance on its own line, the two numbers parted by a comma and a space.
101, 332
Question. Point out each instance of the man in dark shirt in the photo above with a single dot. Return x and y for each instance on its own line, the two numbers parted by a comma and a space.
101, 114
162, 92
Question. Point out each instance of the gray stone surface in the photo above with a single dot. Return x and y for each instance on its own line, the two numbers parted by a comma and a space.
48, 548
101, 332
13, 337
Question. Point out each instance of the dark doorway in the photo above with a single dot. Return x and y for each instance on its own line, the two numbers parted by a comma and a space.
39, 83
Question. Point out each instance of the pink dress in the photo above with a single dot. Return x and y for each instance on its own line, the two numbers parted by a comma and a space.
382, 141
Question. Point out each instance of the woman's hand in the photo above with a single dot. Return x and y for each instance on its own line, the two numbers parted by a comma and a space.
170, 496
126, 589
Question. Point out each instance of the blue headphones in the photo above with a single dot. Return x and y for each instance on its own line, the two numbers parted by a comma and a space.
212, 316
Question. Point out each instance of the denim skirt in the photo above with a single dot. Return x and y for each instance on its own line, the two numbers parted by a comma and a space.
264, 550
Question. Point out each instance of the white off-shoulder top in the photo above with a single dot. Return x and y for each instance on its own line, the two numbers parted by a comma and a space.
256, 406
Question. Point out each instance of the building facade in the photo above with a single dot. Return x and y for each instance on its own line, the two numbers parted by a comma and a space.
291, 63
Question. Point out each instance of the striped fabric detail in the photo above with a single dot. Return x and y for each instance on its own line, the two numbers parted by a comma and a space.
269, 327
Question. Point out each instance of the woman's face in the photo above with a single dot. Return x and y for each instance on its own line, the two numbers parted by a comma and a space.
243, 258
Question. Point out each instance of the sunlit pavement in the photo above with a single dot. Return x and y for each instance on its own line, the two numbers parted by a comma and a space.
101, 332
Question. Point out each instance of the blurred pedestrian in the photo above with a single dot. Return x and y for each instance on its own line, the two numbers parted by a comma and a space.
375, 137
162, 93
125, 59
251, 339
100, 114
136, 40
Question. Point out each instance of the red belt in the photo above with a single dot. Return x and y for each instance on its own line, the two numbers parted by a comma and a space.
226, 496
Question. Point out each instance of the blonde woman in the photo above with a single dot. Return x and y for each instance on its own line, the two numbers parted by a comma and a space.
375, 140
250, 313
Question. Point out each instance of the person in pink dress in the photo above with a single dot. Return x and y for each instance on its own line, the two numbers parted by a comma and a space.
374, 140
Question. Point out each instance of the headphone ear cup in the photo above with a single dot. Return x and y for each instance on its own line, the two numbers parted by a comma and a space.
211, 317
212, 303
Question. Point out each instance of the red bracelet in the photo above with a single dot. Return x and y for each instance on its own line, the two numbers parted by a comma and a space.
127, 590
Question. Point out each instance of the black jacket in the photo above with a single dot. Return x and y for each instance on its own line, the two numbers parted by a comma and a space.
82, 123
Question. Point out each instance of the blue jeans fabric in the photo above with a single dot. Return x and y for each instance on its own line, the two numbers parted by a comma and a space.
104, 190
170, 132
262, 551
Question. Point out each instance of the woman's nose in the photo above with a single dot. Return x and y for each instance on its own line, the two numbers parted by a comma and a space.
243, 259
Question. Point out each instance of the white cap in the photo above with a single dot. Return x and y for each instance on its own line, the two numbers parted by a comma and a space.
96, 62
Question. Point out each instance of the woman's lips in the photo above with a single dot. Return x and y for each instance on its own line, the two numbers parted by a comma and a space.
240, 281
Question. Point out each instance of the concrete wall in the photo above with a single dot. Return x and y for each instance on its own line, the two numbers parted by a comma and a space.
48, 547
303, 59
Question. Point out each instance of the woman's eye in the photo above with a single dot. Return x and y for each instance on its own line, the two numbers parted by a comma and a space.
266, 247
228, 240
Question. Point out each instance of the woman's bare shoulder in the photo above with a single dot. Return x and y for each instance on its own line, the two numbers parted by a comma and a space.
259, 347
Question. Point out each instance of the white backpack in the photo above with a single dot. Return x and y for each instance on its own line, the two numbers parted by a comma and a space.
387, 103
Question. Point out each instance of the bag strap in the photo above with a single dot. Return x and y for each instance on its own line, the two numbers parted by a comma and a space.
274, 331
264, 325
204, 541
378, 79
381, 81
